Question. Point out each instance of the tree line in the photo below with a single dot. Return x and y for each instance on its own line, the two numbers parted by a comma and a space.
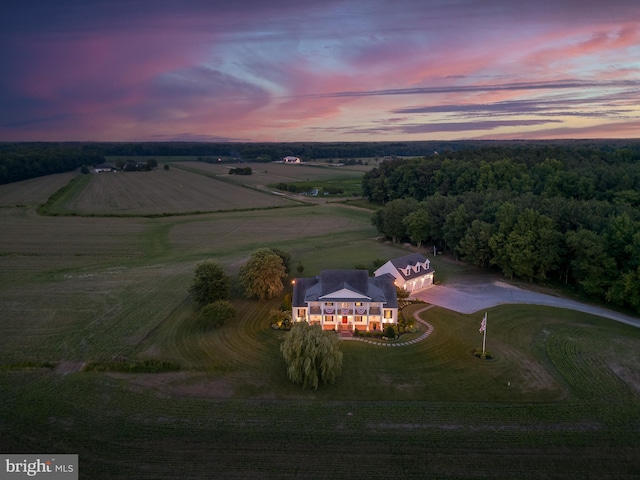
23, 161
541, 213
19, 161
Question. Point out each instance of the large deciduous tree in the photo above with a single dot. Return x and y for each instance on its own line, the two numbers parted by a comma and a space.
262, 276
393, 215
474, 246
312, 355
210, 283
418, 225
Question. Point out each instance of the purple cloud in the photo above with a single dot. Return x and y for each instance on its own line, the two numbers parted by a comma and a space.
287, 70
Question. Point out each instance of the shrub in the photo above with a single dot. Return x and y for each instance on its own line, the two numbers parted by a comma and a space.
216, 314
280, 319
144, 366
390, 332
487, 355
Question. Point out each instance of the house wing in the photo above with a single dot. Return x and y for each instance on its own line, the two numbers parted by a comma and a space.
385, 290
411, 266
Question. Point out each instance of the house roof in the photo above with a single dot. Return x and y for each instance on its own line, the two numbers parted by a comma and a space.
344, 286
414, 260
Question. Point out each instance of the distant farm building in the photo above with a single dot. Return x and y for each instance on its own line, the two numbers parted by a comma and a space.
103, 167
290, 159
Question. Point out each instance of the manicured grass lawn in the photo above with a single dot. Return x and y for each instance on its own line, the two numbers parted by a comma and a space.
429, 410
561, 399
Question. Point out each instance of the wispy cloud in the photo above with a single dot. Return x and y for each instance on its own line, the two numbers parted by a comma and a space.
346, 69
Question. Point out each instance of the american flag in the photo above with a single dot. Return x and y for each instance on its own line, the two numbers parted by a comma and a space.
483, 325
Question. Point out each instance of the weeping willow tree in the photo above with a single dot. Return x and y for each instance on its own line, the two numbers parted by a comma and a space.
312, 355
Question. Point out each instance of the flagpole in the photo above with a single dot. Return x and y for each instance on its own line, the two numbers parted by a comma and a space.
484, 337
483, 329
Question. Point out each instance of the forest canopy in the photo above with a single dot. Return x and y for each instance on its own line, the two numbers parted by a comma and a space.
537, 212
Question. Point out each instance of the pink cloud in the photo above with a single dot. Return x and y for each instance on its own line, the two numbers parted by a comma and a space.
283, 69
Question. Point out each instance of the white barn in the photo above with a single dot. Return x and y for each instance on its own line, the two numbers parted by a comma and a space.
290, 159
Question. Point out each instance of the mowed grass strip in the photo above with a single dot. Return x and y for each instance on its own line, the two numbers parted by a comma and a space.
159, 192
528, 367
88, 316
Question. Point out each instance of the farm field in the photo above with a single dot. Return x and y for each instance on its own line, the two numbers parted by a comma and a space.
159, 192
560, 400
348, 177
34, 190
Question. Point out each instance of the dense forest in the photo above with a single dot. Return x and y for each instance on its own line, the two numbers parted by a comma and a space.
20, 161
545, 212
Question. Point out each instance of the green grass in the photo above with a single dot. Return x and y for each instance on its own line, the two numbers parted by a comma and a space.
561, 399
348, 187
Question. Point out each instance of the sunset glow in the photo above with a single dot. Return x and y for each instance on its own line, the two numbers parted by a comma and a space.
284, 70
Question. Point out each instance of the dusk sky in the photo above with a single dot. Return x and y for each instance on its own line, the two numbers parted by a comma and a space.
328, 70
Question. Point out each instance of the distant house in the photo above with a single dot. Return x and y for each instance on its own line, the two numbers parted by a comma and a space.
289, 159
344, 300
103, 167
411, 272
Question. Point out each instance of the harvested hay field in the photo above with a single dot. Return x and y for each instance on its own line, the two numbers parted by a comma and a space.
291, 227
159, 192
33, 191
269, 173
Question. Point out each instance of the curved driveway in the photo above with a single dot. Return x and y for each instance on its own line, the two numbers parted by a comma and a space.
470, 296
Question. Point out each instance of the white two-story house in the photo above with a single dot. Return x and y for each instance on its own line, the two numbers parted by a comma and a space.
412, 272
346, 300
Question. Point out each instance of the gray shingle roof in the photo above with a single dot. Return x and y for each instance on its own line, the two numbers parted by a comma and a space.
412, 259
378, 289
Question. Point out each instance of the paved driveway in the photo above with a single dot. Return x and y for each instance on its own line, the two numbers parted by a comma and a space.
470, 296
